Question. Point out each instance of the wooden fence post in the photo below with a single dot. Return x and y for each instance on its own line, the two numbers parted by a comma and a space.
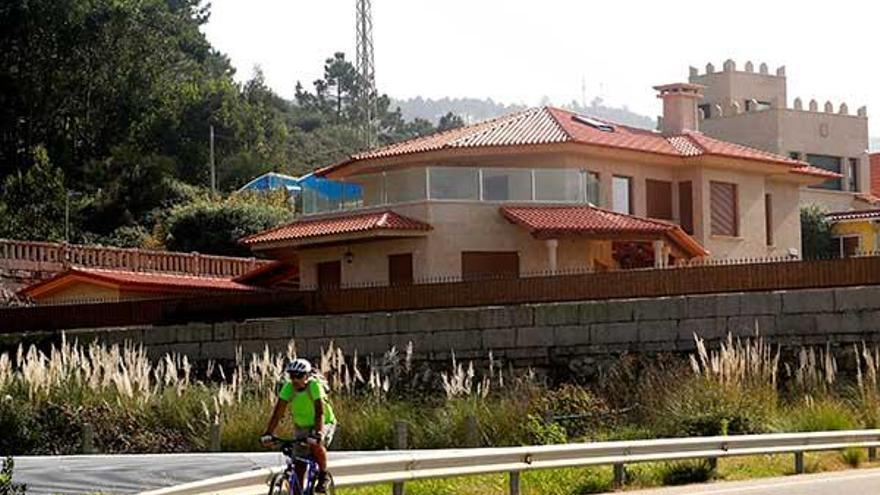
401, 434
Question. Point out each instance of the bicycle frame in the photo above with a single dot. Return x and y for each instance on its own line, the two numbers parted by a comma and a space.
311, 469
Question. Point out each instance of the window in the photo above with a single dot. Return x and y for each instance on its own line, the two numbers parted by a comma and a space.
794, 155
477, 265
558, 185
405, 185
852, 175
757, 106
658, 197
686, 206
830, 163
592, 188
507, 185
706, 109
724, 215
768, 218
846, 247
400, 269
374, 189
329, 275
454, 183
622, 200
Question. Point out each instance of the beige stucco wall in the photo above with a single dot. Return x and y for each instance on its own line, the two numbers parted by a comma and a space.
726, 86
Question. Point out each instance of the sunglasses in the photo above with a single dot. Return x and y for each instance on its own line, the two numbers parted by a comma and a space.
297, 375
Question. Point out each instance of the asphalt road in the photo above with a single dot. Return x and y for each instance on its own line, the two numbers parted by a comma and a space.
854, 482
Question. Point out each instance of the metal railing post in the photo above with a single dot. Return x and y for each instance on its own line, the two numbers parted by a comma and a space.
513, 483
88, 439
400, 443
799, 462
872, 454
619, 476
214, 445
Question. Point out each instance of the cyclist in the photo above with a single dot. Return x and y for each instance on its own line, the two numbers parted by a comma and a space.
313, 417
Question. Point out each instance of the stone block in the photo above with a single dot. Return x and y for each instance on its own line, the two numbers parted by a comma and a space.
857, 298
704, 328
160, 335
308, 327
380, 323
728, 304
253, 346
120, 336
797, 324
219, 350
498, 338
662, 308
746, 326
869, 322
315, 346
760, 303
614, 333
196, 332
847, 322
658, 331
807, 301
461, 340
534, 337
550, 315
375, 345
606, 311
506, 317
701, 306
571, 335
247, 330
281, 328
223, 332
344, 325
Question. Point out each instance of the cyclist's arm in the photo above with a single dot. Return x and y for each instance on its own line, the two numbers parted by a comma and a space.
280, 406
319, 415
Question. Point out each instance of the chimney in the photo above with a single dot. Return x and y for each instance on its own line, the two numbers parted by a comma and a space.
679, 107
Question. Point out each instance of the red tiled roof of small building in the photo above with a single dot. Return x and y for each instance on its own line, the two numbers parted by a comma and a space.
853, 215
341, 224
875, 174
549, 125
545, 222
143, 281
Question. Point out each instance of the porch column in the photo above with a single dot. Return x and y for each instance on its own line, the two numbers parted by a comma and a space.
552, 245
659, 254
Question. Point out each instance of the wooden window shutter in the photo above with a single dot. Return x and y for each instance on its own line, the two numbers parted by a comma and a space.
686, 206
659, 199
723, 204
768, 218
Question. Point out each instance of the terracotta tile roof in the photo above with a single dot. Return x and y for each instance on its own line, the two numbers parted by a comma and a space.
546, 222
141, 281
340, 224
875, 174
548, 125
853, 215
271, 274
815, 171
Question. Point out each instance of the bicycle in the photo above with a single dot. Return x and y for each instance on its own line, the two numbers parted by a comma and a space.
287, 482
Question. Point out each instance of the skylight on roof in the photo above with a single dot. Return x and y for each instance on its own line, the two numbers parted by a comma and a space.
597, 124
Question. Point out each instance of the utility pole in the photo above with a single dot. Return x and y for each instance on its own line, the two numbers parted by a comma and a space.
213, 170
366, 72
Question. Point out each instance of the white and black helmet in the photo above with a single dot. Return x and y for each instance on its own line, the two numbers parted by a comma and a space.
299, 366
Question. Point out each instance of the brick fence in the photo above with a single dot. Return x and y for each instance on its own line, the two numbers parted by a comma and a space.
567, 337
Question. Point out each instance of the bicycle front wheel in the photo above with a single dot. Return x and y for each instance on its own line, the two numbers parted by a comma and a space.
331, 487
279, 485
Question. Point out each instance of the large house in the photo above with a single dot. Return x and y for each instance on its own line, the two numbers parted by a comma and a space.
546, 190
750, 107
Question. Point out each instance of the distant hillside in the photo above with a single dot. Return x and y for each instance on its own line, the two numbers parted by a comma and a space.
475, 110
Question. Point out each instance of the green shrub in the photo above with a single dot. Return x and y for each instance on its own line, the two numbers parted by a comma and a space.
853, 456
827, 414
683, 473
20, 433
7, 487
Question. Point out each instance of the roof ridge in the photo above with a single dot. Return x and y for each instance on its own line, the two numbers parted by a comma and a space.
597, 208
491, 125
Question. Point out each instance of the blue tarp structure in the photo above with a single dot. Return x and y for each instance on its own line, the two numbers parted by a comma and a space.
331, 189
272, 181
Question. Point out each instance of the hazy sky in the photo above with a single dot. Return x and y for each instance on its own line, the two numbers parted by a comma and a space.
519, 51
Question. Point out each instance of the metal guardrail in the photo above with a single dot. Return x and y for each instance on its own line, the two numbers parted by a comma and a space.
415, 465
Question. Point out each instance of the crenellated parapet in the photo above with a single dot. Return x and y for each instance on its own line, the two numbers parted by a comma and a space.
729, 65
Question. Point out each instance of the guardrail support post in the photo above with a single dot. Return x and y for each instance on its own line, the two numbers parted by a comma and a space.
400, 443
799, 462
872, 454
214, 445
88, 439
619, 475
473, 431
514, 483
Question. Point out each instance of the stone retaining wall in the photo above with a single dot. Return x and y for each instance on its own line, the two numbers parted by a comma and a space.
560, 336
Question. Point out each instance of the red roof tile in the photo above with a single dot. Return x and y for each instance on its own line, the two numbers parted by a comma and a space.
143, 281
816, 172
341, 224
555, 221
548, 125
875, 174
853, 215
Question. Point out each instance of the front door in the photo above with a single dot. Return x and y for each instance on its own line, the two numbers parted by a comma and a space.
329, 274
400, 269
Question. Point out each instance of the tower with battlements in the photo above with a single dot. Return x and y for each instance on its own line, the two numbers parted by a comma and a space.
750, 106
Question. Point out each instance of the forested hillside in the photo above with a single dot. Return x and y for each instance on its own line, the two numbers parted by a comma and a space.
106, 105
